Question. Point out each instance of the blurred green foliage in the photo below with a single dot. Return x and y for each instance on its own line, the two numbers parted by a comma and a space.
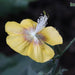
21, 65
72, 4
13, 6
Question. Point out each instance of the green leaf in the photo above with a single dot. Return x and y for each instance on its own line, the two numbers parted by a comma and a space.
54, 68
5, 62
7, 6
19, 64
44, 67
20, 69
31, 72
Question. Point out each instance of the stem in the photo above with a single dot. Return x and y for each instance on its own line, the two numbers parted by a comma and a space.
68, 46
53, 69
58, 49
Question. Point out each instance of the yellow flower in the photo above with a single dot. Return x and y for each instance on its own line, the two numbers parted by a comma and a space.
28, 38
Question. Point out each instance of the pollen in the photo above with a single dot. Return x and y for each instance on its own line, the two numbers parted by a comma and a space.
41, 23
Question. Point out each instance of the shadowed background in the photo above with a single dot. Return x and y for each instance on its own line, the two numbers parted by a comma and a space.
61, 16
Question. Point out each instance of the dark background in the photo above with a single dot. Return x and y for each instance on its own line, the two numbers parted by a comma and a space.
61, 16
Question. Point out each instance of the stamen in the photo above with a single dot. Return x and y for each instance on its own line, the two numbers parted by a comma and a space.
42, 21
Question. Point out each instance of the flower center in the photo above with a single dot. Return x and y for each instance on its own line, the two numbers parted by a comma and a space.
34, 37
33, 34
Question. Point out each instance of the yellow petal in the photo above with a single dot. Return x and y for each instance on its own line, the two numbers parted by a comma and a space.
28, 23
17, 43
52, 36
13, 28
40, 53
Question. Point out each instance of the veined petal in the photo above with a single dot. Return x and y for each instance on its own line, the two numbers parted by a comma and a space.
28, 23
40, 53
17, 43
52, 36
13, 28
